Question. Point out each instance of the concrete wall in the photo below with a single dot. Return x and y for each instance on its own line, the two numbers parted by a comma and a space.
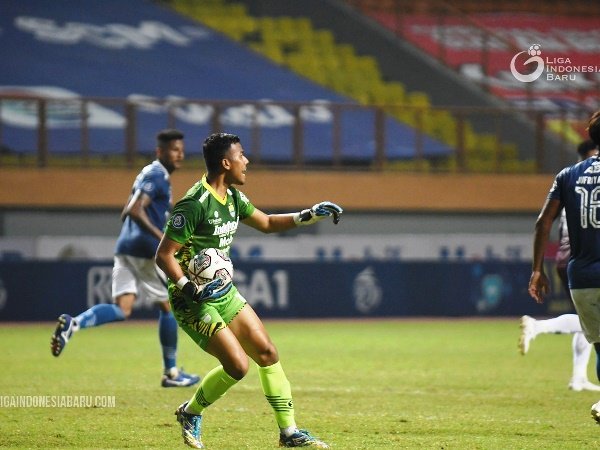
79, 202
274, 190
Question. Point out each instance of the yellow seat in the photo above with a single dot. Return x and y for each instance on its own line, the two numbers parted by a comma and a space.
314, 54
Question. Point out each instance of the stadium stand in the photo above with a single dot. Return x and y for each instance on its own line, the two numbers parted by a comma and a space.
319, 84
111, 54
443, 88
315, 54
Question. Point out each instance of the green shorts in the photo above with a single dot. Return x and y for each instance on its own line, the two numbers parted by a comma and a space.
201, 322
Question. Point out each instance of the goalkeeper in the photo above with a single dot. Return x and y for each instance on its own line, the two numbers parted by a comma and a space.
217, 317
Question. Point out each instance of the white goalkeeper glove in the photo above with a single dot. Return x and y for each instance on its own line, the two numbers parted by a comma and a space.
318, 212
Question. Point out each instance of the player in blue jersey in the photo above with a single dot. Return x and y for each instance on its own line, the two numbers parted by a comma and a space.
135, 273
577, 189
218, 318
565, 323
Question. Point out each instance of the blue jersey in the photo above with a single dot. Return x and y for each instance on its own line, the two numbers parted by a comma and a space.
153, 181
578, 189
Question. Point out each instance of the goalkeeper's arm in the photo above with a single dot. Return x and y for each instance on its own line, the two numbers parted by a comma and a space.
271, 223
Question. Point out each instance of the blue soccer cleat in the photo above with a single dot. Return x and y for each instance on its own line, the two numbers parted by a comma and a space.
301, 438
191, 427
175, 377
65, 328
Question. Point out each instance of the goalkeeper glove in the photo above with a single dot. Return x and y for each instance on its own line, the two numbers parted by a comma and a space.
211, 290
318, 212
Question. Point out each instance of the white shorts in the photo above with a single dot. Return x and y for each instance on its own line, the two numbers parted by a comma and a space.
587, 304
139, 276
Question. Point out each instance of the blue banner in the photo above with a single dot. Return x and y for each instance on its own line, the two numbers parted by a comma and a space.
39, 291
154, 58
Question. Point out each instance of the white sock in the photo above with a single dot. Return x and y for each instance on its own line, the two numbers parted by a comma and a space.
582, 350
288, 431
565, 324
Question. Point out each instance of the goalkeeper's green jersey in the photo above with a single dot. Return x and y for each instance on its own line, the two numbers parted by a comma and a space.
201, 219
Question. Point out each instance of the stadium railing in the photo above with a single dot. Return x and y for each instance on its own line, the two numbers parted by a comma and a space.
66, 132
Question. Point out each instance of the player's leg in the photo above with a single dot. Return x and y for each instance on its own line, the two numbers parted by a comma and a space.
124, 291
206, 324
152, 286
252, 335
582, 350
173, 376
214, 385
597, 348
596, 406
531, 328
587, 304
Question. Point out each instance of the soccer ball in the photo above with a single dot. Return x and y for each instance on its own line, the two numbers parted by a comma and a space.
535, 50
209, 264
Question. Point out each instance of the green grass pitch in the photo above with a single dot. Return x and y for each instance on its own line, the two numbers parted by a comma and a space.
402, 384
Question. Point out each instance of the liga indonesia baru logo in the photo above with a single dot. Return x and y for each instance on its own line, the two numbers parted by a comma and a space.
557, 68
535, 52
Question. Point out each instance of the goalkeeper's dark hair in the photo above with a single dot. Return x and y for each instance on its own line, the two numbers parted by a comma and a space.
214, 149
164, 137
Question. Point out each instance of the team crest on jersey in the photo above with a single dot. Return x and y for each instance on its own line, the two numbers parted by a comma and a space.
231, 209
148, 186
178, 220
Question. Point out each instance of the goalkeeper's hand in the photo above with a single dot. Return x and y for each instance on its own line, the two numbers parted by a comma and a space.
209, 291
318, 212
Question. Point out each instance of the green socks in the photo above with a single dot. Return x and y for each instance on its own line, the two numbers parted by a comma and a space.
274, 383
278, 393
213, 386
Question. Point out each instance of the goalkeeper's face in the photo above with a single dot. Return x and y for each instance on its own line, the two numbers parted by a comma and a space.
235, 163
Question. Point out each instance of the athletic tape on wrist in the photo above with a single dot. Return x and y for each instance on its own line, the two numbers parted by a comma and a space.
182, 282
296, 217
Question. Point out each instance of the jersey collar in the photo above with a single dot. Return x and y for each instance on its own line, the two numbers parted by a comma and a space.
209, 188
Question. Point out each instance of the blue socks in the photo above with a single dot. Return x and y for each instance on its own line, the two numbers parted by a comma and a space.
167, 333
100, 314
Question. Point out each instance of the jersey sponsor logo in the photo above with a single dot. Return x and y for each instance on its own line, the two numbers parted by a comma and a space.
225, 242
594, 168
227, 227
217, 220
178, 220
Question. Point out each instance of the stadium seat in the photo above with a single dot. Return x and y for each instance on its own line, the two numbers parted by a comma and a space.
314, 54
